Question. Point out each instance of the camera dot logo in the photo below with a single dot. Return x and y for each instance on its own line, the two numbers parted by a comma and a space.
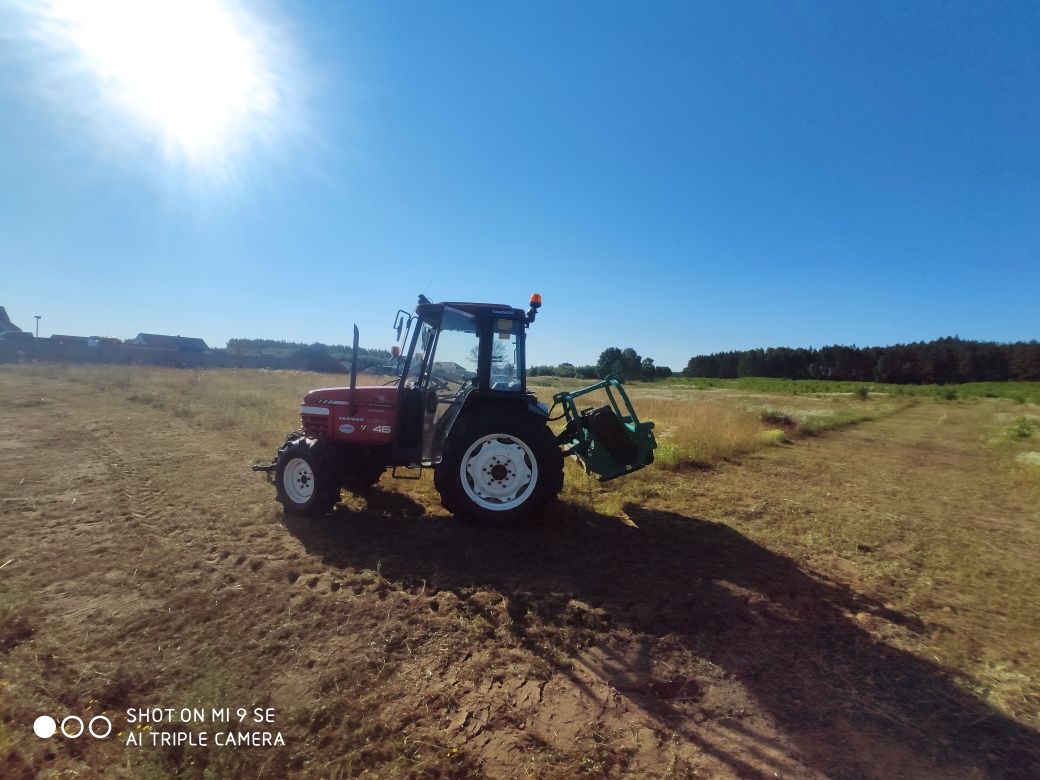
44, 726
72, 727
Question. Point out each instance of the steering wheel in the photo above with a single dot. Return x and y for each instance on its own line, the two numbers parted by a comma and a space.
439, 385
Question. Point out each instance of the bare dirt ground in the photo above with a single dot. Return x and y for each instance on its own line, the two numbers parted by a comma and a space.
783, 617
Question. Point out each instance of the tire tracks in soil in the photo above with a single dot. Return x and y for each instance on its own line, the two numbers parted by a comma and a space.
169, 515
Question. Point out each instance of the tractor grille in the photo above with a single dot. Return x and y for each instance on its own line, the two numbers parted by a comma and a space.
315, 425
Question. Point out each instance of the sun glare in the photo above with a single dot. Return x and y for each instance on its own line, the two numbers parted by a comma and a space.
196, 74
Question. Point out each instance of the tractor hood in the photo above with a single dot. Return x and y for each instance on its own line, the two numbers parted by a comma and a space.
363, 416
341, 396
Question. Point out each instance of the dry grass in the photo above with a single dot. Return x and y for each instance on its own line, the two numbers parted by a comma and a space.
259, 407
697, 428
1016, 437
694, 428
700, 433
882, 576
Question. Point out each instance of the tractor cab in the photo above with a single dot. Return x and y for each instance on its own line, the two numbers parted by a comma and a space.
456, 356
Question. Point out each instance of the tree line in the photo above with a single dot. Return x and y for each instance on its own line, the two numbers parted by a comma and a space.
326, 355
943, 361
626, 363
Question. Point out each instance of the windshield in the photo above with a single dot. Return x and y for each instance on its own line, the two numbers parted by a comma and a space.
455, 360
422, 347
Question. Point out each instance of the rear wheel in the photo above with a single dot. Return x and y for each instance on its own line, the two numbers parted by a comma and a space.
499, 466
305, 478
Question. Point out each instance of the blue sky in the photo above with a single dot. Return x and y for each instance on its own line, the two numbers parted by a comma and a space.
677, 177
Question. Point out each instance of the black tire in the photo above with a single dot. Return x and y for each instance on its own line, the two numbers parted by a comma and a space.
499, 465
305, 478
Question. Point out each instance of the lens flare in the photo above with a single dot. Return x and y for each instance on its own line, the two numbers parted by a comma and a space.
203, 79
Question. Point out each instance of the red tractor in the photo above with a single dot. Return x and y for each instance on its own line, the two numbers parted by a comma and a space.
461, 407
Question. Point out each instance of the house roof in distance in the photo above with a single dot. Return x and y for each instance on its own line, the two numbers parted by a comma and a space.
5, 322
170, 342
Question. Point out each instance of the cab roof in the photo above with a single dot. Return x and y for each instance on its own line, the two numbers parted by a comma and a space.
430, 311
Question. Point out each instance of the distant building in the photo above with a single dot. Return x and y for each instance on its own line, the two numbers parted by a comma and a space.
452, 369
182, 343
5, 322
59, 338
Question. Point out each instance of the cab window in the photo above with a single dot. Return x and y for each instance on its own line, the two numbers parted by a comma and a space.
505, 360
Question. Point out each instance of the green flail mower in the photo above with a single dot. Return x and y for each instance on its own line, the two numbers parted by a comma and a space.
608, 441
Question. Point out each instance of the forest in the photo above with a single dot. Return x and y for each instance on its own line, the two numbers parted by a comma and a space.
324, 357
943, 361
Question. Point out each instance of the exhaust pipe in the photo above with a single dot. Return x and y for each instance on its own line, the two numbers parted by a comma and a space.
353, 370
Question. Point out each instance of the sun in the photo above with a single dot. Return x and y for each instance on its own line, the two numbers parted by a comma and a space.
195, 74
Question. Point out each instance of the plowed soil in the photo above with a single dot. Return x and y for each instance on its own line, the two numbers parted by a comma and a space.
707, 632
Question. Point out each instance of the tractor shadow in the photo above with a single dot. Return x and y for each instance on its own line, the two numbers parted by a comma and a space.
796, 642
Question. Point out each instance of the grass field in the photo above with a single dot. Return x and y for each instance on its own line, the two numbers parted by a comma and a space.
810, 581
1020, 392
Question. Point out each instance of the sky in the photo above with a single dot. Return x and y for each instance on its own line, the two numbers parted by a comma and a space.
681, 178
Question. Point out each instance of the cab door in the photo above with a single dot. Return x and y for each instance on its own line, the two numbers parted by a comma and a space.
450, 375
411, 397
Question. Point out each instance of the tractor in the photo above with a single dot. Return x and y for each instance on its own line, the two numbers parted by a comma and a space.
458, 404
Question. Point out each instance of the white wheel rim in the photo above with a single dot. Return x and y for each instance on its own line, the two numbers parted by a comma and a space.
298, 480
498, 472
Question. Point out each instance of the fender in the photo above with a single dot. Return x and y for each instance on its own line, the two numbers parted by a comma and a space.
475, 399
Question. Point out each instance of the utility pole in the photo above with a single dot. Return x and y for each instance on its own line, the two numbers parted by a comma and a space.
37, 316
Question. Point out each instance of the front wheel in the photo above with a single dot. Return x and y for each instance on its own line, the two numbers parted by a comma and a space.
499, 465
305, 479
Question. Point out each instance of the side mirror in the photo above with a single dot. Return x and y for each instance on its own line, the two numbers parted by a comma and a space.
402, 324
